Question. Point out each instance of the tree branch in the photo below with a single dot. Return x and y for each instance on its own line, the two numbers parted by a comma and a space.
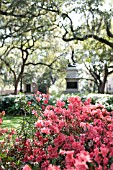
93, 74
74, 36
38, 63
41, 63
110, 66
85, 37
108, 26
110, 72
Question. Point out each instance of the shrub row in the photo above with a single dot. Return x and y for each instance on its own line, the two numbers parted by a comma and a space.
13, 105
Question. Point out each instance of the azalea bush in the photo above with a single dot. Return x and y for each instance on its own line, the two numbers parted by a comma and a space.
74, 135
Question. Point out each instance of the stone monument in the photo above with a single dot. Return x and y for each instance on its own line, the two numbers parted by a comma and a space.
72, 79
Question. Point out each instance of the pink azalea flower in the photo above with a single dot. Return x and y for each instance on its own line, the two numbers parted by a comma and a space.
29, 102
69, 156
111, 167
60, 103
38, 99
38, 92
105, 161
26, 167
34, 112
84, 156
53, 167
45, 101
0, 120
45, 130
104, 150
99, 168
52, 152
55, 129
39, 123
47, 123
88, 101
31, 157
81, 166
45, 164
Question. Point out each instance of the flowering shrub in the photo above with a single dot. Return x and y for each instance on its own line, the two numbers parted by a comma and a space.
73, 136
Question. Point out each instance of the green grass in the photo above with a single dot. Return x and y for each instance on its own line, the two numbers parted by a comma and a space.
11, 121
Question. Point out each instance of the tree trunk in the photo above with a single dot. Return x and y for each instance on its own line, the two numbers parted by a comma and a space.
16, 82
103, 83
16, 87
21, 90
101, 88
19, 78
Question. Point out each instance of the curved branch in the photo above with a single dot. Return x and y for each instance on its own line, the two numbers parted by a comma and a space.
64, 15
39, 63
85, 37
108, 26
102, 40
110, 72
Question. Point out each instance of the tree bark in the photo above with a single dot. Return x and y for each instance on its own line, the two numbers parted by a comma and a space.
103, 83
101, 88
16, 82
16, 87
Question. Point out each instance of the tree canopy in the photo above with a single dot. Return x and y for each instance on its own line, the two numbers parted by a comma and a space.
25, 26
88, 19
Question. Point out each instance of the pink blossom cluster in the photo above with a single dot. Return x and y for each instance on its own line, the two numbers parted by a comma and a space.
76, 136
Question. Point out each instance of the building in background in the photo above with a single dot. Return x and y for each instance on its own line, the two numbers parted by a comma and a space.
109, 85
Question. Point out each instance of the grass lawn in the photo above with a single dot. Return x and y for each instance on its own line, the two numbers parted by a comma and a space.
11, 121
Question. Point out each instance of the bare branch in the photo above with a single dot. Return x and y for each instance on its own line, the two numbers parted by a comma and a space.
110, 66
110, 72
93, 74
47, 65
108, 26
38, 63
85, 37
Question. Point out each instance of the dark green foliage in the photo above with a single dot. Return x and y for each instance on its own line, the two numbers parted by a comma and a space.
14, 105
8, 104
18, 105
